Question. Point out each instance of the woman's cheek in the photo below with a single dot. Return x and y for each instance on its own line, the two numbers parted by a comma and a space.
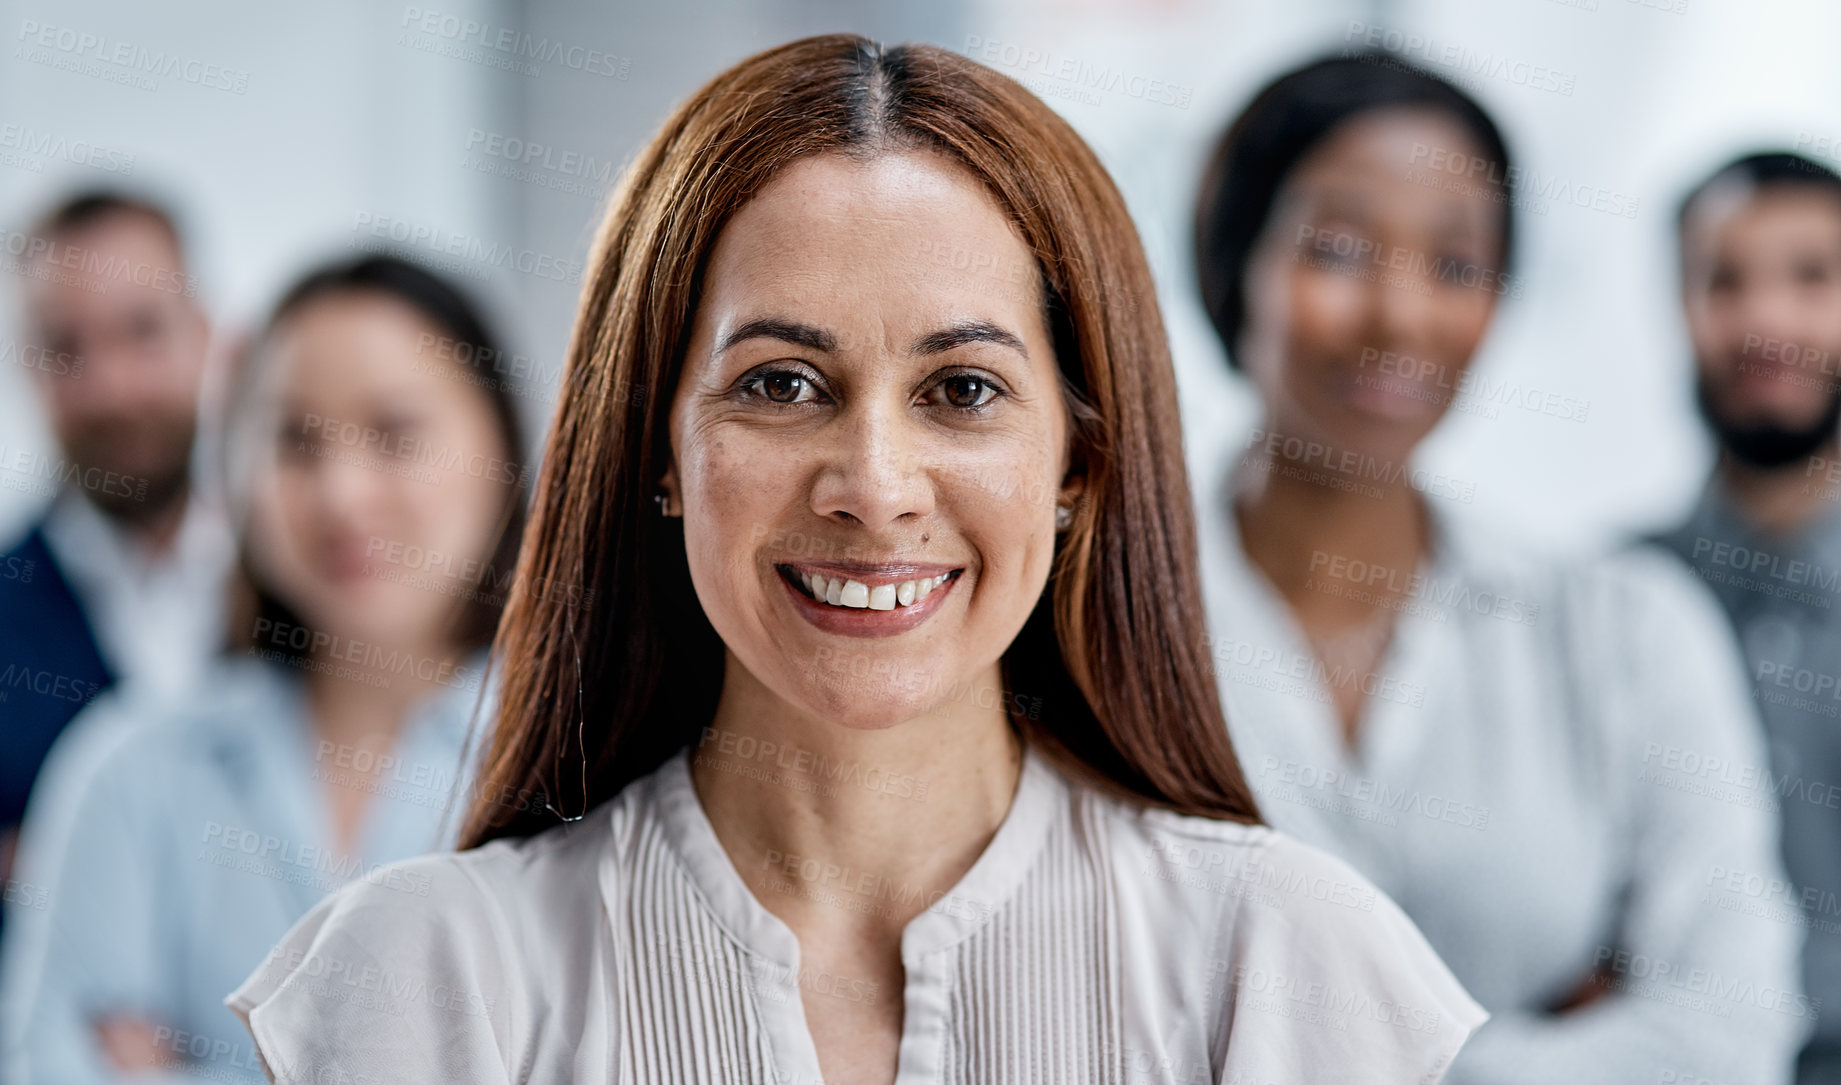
477, 515
740, 489
279, 522
730, 474
726, 498
279, 535
1011, 524
1326, 306
1468, 320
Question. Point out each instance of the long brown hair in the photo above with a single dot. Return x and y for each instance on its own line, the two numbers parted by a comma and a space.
606, 679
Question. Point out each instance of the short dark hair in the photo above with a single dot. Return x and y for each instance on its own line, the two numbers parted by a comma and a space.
456, 316
1762, 169
1286, 121
85, 208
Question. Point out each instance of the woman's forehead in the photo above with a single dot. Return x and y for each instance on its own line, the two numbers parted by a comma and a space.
891, 215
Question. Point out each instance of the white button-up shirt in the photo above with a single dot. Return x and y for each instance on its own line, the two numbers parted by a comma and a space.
158, 619
1558, 770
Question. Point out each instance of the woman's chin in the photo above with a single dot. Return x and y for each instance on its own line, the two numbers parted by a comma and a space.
866, 706
357, 631
1358, 440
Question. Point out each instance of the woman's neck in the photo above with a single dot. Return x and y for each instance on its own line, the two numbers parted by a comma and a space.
358, 711
365, 702
811, 812
1339, 555
1306, 533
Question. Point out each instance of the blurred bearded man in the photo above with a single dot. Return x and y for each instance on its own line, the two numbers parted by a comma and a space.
1761, 290
122, 578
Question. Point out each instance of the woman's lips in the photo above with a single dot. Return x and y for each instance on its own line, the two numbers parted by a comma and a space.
1393, 397
343, 563
875, 602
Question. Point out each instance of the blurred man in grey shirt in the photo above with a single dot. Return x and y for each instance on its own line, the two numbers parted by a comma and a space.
1761, 289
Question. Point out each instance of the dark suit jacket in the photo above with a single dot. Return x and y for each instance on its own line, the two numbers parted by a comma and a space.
50, 666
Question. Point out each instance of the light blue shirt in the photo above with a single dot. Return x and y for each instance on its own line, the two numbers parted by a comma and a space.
164, 855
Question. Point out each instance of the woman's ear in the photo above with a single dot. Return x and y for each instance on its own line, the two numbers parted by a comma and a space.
1072, 489
669, 503
1074, 482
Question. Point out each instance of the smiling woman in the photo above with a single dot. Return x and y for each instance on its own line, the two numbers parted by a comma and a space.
880, 741
1490, 719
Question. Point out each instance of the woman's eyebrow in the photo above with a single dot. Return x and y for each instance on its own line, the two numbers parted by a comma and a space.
786, 331
971, 331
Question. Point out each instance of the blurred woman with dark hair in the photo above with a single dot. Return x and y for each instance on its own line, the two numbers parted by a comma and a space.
884, 745
1511, 748
329, 739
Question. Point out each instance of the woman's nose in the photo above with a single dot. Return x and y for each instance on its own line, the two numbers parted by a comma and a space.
875, 470
1405, 314
348, 484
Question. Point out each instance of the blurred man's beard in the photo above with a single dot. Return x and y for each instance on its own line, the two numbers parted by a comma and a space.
1767, 445
133, 494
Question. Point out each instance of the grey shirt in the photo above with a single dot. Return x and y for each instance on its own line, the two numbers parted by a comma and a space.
1783, 594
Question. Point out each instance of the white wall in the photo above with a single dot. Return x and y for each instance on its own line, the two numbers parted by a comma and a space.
341, 118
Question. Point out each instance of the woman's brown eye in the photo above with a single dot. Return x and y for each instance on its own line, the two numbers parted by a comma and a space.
782, 387
966, 391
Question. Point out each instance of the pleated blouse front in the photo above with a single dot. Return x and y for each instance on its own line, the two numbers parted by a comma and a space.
1092, 941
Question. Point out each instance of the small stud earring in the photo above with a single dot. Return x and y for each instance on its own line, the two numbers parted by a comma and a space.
664, 503
1064, 517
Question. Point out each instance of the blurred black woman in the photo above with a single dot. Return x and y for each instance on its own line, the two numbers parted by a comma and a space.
1485, 734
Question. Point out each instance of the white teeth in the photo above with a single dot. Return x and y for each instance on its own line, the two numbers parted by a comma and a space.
857, 595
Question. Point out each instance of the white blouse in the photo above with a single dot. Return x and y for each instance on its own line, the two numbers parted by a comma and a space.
1093, 941
1558, 771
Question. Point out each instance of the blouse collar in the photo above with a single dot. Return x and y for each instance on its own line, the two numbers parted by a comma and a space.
950, 917
1460, 548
